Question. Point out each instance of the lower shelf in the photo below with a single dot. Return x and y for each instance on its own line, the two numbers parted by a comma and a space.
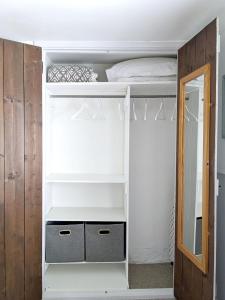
94, 214
86, 277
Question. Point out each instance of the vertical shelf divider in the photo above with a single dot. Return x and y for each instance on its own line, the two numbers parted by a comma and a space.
126, 172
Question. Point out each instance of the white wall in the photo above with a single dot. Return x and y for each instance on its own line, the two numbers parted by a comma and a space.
100, 20
221, 142
220, 272
103, 135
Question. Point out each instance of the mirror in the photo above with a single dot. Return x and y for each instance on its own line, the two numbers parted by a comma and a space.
193, 166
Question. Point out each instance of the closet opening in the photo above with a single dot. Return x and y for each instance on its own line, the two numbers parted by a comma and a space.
109, 180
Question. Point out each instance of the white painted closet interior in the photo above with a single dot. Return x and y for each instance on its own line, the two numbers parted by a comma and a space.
109, 156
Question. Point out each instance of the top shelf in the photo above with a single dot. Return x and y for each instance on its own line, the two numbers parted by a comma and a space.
111, 88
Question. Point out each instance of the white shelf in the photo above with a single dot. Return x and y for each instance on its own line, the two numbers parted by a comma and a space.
88, 214
85, 178
153, 88
86, 88
87, 262
85, 277
111, 88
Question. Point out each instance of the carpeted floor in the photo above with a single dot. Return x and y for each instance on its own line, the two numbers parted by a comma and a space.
148, 276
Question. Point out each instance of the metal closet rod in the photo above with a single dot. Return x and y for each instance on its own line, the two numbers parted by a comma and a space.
154, 96
117, 96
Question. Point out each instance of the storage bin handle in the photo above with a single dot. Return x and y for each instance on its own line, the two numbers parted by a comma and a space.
104, 231
65, 232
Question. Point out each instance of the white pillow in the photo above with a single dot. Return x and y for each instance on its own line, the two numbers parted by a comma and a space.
154, 66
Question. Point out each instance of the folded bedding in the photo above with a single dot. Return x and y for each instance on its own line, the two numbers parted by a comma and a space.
71, 73
143, 67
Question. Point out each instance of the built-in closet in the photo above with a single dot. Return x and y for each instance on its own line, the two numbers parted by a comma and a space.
109, 152
109, 157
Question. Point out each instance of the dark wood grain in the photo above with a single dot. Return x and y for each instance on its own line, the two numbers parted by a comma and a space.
186, 279
197, 281
208, 280
178, 255
195, 278
14, 169
190, 60
20, 171
189, 282
200, 49
33, 171
2, 189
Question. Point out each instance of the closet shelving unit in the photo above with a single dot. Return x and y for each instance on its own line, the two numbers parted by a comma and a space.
86, 187
68, 193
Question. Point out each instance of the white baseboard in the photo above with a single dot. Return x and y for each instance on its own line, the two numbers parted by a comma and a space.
135, 294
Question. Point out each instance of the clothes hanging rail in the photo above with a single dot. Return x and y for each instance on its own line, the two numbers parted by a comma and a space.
113, 96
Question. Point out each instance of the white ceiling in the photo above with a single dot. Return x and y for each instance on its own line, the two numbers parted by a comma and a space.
105, 20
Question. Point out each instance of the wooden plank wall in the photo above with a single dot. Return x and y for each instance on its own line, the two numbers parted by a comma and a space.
33, 171
20, 171
14, 168
189, 282
2, 189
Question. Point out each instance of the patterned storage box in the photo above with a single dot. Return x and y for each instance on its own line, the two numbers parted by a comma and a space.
71, 73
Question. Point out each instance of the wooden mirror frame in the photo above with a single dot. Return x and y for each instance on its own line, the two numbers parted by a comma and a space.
203, 263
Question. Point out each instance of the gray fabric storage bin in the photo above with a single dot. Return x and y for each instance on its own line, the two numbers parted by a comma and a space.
105, 242
64, 242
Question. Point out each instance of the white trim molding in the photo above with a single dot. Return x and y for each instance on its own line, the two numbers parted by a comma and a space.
134, 294
153, 47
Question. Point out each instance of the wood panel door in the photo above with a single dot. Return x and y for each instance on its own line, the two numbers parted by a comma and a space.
189, 282
20, 171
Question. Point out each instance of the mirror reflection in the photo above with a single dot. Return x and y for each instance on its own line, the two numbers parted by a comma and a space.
193, 164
